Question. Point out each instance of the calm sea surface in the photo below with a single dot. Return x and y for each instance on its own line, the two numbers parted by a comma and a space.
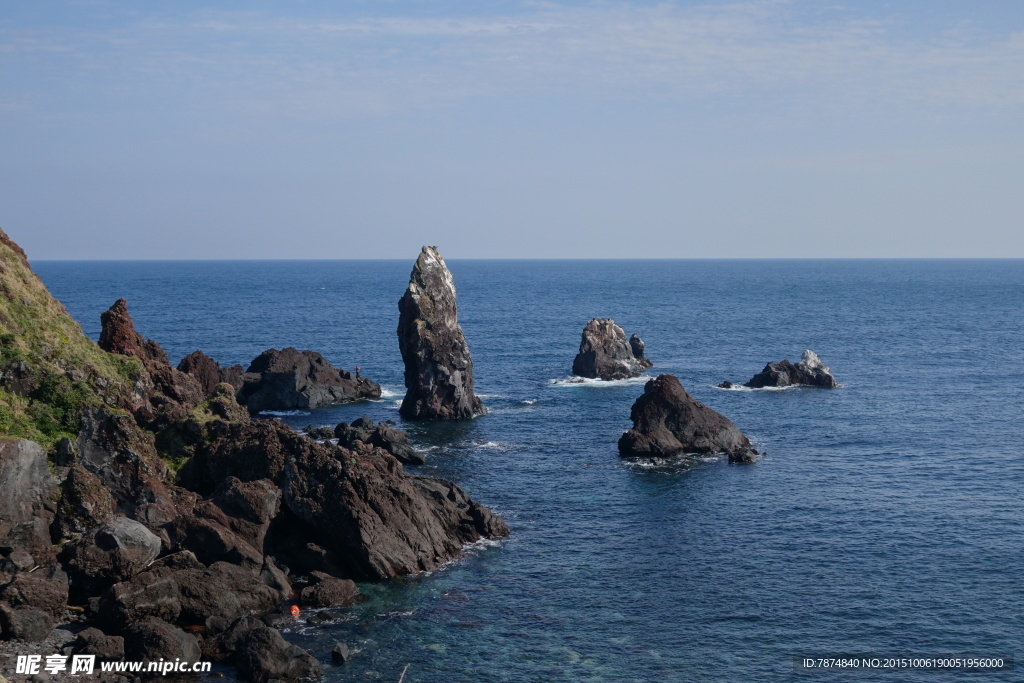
886, 518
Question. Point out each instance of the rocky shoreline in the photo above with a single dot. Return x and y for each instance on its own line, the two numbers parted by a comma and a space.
146, 511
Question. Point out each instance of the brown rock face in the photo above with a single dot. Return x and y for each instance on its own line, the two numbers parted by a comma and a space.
205, 369
382, 522
667, 422
438, 368
289, 379
378, 521
168, 394
606, 353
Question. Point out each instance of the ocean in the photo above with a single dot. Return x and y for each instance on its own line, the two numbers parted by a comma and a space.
885, 519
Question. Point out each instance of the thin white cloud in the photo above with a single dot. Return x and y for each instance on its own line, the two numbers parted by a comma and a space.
769, 50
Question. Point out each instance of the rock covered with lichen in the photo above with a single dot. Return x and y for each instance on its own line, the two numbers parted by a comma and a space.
606, 354
438, 367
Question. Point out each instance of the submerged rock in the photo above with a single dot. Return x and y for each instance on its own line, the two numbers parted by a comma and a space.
667, 421
810, 371
605, 352
438, 368
289, 380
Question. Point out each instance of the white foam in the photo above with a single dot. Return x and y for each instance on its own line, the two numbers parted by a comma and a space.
494, 446
528, 402
390, 393
482, 544
588, 382
285, 413
738, 387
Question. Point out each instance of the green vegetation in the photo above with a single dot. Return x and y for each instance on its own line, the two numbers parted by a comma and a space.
50, 370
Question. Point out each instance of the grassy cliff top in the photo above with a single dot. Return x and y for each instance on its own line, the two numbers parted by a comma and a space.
49, 369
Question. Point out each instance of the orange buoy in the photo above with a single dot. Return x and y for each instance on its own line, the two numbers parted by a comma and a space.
294, 610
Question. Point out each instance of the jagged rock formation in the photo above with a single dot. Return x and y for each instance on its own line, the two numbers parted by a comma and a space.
809, 371
606, 354
438, 368
90, 444
667, 421
168, 394
281, 380
371, 518
288, 379
363, 433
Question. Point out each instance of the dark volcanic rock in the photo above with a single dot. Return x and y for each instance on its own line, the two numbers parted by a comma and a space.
168, 394
222, 590
93, 641
328, 591
26, 486
667, 421
261, 654
810, 371
153, 593
84, 503
248, 451
438, 368
605, 353
371, 517
288, 379
42, 589
205, 370
153, 639
112, 552
232, 525
393, 441
24, 623
341, 653
28, 544
123, 457
381, 522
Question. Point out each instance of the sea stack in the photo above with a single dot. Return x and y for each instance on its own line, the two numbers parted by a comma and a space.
438, 369
605, 352
667, 421
810, 372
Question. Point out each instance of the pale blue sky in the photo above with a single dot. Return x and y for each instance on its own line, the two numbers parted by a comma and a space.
512, 129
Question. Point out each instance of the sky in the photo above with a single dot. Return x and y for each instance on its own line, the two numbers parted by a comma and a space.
508, 129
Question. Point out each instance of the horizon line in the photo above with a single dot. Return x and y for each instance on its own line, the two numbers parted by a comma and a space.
547, 258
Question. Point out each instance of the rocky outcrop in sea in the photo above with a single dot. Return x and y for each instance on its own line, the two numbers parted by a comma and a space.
147, 507
605, 352
809, 371
282, 380
290, 379
667, 422
438, 368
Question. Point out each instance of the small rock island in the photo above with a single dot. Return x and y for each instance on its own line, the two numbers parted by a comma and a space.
606, 354
438, 368
282, 380
667, 422
808, 372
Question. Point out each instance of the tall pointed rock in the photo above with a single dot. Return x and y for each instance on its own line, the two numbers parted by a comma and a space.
438, 369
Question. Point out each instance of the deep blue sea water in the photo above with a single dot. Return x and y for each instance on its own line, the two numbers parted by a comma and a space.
886, 517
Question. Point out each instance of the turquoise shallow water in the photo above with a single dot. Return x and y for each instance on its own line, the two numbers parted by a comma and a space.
886, 517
